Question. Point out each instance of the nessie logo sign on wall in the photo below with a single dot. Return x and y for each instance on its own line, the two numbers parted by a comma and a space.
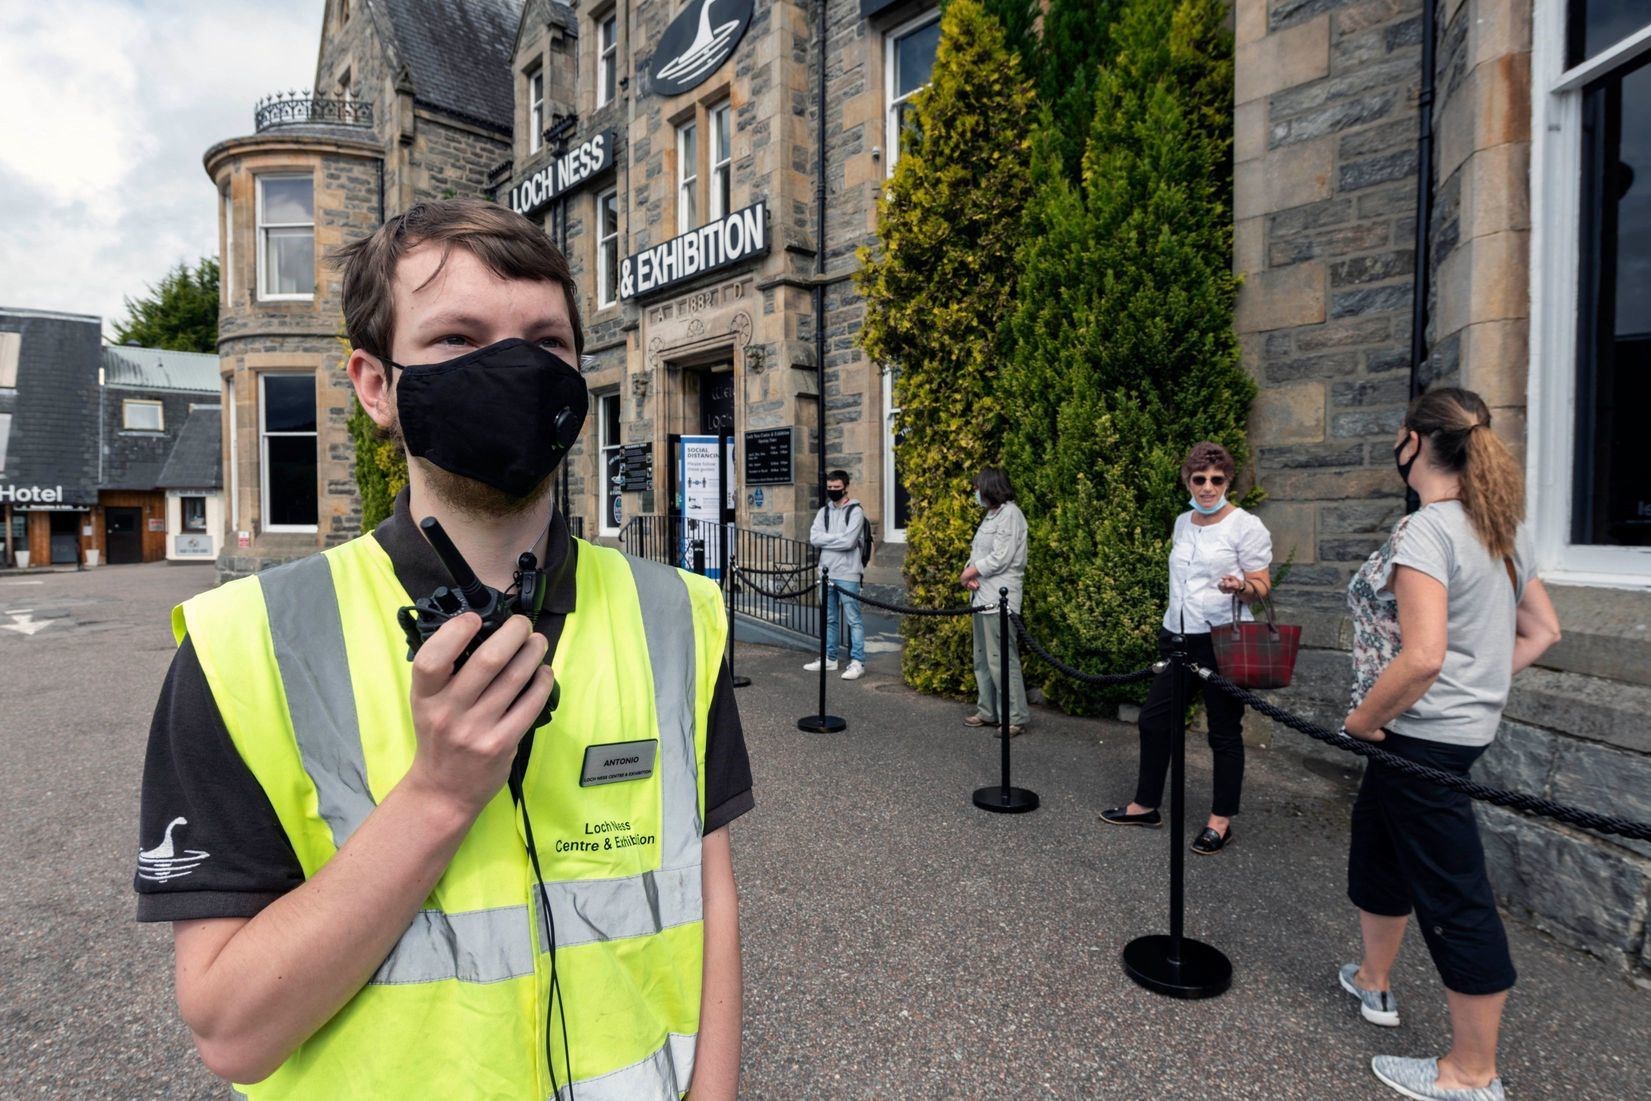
696, 44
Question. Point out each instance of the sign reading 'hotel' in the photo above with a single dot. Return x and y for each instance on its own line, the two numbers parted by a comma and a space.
572, 170
713, 246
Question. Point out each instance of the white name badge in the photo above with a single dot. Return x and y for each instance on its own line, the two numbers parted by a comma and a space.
617, 762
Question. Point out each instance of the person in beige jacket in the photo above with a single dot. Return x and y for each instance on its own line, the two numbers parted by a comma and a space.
997, 560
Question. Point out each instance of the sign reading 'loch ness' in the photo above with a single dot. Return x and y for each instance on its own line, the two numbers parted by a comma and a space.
697, 43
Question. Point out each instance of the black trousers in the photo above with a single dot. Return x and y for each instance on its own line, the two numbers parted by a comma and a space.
1415, 844
1226, 735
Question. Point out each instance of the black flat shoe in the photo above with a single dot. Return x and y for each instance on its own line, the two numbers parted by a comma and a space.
1120, 816
1209, 842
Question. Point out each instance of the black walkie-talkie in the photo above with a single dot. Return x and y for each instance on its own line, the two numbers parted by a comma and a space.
425, 617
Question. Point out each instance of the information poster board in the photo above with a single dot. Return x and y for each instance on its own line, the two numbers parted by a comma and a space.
636, 467
700, 466
768, 457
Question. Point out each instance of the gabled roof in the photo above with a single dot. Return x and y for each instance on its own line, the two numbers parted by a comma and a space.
159, 369
196, 461
458, 53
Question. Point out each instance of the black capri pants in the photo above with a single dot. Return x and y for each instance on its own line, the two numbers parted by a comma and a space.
1226, 737
1415, 845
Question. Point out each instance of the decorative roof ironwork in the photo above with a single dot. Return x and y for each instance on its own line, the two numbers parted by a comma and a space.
292, 108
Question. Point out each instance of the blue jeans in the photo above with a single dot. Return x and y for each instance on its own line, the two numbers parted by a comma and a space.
851, 614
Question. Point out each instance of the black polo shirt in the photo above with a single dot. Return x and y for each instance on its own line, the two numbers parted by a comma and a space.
233, 855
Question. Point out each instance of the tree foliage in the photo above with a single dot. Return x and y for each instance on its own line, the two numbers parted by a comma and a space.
1120, 351
941, 276
1076, 43
180, 313
380, 466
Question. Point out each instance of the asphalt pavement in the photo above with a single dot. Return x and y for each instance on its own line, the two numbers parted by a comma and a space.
899, 943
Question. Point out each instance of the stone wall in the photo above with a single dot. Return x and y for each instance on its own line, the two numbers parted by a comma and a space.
1325, 207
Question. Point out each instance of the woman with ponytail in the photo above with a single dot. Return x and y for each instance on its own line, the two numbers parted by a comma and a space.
1453, 585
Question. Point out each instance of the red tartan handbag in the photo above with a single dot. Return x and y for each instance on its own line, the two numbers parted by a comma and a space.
1256, 655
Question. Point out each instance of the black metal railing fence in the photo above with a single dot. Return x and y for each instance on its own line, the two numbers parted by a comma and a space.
294, 107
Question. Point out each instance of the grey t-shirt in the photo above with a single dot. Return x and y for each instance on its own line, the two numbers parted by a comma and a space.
1464, 705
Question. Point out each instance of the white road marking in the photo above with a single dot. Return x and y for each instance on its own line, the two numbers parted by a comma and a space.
25, 624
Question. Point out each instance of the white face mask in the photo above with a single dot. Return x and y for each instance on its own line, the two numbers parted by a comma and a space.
1220, 504
980, 502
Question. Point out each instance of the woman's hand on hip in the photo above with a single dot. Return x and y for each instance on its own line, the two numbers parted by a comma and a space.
1356, 726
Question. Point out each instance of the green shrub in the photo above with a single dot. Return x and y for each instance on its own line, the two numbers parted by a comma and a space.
1120, 352
939, 280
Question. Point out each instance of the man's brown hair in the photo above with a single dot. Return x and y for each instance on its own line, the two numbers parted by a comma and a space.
508, 244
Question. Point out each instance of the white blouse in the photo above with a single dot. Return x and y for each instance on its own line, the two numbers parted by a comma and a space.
1200, 557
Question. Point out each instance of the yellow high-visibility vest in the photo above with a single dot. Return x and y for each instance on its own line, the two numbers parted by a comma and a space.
309, 670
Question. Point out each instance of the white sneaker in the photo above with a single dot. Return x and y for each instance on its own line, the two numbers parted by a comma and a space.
854, 671
814, 666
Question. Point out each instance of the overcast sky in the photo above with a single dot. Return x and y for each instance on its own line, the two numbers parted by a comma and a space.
108, 106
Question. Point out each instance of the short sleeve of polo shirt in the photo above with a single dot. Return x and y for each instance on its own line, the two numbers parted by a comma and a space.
229, 855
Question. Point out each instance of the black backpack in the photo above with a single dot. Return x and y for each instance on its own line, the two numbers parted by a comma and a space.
868, 537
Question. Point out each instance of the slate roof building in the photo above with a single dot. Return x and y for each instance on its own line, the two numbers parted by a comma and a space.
86, 432
411, 100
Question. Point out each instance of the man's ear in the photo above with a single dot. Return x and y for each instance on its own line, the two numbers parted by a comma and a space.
371, 379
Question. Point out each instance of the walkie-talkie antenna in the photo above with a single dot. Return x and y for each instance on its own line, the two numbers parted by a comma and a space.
474, 592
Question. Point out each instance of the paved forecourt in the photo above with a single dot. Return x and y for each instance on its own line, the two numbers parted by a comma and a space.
899, 943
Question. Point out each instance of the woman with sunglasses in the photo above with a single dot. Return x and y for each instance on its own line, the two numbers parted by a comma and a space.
1219, 550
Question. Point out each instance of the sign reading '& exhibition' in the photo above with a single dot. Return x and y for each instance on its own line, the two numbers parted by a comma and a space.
696, 44
572, 170
718, 244
768, 457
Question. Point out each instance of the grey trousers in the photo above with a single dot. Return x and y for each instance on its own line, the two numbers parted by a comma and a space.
989, 667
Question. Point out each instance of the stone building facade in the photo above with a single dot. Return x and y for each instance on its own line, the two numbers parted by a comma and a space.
1533, 294
411, 101
730, 352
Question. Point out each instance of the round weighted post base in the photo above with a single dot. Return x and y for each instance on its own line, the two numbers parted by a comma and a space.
821, 724
1002, 800
741, 682
1203, 972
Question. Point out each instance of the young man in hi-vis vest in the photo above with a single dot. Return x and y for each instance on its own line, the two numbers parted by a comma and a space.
374, 894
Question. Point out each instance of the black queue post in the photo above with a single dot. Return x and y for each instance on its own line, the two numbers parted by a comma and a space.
821, 723
1003, 798
1175, 965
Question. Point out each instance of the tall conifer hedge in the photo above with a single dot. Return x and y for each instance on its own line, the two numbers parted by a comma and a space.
936, 287
1120, 351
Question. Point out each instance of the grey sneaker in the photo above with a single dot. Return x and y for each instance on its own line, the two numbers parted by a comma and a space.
1379, 1007
1418, 1078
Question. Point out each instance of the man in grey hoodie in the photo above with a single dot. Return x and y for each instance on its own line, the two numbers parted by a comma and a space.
836, 532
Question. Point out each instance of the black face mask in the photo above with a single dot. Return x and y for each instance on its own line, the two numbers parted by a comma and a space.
836, 494
504, 415
1405, 465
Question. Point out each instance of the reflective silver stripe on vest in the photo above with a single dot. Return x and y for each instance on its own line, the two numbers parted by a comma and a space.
478, 946
662, 1076
308, 633
590, 910
668, 624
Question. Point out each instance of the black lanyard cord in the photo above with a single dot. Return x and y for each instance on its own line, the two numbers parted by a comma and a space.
555, 997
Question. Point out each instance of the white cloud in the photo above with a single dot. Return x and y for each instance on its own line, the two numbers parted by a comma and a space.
109, 106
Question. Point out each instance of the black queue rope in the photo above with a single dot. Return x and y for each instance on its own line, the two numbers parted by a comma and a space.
1531, 804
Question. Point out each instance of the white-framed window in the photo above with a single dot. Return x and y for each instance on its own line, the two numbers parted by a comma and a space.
722, 159
11, 346
908, 62
138, 415
286, 237
607, 248
193, 513
536, 110
287, 461
687, 176
610, 456
896, 500
1590, 341
5, 438
226, 276
607, 59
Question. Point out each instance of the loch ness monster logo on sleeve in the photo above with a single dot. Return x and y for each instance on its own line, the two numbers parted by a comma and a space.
696, 44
